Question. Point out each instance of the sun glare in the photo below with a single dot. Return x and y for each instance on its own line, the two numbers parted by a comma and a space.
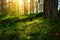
20, 2
28, 1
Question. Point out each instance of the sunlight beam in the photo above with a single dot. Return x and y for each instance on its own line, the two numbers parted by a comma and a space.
28, 1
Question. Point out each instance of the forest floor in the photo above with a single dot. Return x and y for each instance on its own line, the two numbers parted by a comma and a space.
30, 27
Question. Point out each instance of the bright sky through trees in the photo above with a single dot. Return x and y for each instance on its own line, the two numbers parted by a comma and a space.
18, 1
21, 1
19, 5
28, 1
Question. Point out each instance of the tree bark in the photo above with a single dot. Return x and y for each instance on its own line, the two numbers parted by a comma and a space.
36, 6
31, 6
50, 8
4, 7
25, 7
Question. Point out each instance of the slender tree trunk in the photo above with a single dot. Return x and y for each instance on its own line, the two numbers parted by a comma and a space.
50, 8
25, 7
4, 7
39, 5
0, 5
36, 6
31, 6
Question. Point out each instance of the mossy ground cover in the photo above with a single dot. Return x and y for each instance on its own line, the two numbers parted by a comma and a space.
30, 27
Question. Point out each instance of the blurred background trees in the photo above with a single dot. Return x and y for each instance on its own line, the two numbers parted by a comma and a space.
24, 7
17, 7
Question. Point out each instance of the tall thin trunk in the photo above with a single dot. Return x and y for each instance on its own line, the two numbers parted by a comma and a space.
25, 7
31, 6
3, 7
0, 5
18, 8
37, 6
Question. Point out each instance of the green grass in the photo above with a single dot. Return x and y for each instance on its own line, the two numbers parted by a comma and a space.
30, 27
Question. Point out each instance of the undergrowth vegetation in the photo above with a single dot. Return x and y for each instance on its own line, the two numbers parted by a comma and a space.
30, 27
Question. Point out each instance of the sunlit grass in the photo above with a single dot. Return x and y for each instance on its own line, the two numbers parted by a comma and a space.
26, 27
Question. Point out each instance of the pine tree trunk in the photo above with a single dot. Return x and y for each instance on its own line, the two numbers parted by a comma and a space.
25, 7
50, 8
36, 7
31, 6
39, 5
4, 7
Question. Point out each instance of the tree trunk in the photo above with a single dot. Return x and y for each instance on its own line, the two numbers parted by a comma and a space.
36, 6
39, 5
4, 7
25, 7
50, 8
31, 6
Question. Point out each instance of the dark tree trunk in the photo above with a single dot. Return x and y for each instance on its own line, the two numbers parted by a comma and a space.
50, 8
